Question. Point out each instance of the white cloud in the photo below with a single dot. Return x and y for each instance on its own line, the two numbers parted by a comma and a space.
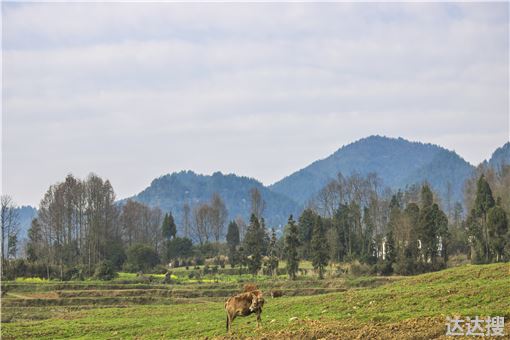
133, 91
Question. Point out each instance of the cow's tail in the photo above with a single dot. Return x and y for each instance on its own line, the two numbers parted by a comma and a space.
227, 323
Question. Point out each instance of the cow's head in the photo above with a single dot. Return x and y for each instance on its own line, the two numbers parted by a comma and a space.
257, 301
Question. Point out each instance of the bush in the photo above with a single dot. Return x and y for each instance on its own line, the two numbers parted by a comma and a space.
73, 273
116, 254
159, 269
105, 271
22, 268
141, 257
178, 247
12, 269
384, 267
360, 269
281, 271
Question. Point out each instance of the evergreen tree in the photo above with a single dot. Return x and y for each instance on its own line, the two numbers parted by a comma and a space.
428, 233
232, 243
272, 253
367, 246
412, 213
476, 239
266, 238
291, 247
355, 218
400, 228
443, 233
179, 247
305, 225
497, 223
319, 247
340, 225
168, 228
34, 244
484, 201
427, 198
386, 265
253, 245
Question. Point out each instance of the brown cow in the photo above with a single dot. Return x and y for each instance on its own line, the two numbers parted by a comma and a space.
249, 287
244, 304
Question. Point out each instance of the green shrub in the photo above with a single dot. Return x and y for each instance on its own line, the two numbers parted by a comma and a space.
384, 267
159, 269
141, 257
73, 273
105, 271
21, 268
360, 269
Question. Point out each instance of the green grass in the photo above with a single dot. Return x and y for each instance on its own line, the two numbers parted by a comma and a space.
464, 291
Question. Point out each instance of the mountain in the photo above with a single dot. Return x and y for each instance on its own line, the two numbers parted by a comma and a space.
398, 163
170, 192
25, 214
500, 156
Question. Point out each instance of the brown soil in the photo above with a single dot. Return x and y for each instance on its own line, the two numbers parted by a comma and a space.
412, 329
46, 295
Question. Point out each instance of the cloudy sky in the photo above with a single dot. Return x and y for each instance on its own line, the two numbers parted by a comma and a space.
133, 91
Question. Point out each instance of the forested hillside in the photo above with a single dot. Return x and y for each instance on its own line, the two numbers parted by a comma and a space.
397, 162
500, 156
172, 192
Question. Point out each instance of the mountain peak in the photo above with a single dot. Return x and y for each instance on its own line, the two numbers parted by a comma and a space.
500, 156
172, 191
397, 161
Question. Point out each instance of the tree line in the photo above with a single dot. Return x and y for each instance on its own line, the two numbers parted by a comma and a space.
353, 219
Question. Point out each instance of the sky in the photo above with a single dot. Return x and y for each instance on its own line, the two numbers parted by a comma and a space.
132, 91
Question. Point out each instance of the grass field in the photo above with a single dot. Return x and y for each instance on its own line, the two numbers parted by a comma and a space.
367, 307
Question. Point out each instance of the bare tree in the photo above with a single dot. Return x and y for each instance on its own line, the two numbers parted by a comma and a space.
155, 235
203, 219
129, 220
186, 223
9, 227
219, 216
328, 199
241, 224
257, 203
140, 224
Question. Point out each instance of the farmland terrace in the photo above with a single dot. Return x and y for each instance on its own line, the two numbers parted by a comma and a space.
344, 307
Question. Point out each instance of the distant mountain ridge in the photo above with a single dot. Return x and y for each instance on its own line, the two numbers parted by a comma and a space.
500, 156
26, 214
170, 193
398, 163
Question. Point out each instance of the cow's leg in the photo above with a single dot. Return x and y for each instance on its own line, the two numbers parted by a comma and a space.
231, 318
259, 319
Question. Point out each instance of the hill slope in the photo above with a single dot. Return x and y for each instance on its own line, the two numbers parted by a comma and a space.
411, 308
500, 156
25, 214
170, 192
397, 161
